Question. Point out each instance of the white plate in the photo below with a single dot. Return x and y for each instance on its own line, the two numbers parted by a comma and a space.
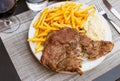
87, 65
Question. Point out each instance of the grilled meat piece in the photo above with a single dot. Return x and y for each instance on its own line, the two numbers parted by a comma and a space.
65, 48
60, 49
97, 49
94, 49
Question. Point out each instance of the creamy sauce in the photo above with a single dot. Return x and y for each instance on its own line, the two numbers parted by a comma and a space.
94, 27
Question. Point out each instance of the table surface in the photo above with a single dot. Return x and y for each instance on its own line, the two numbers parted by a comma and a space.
29, 69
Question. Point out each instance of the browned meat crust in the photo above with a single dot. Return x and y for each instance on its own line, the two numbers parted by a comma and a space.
65, 48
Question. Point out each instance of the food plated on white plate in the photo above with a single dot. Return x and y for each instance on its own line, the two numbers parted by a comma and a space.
70, 37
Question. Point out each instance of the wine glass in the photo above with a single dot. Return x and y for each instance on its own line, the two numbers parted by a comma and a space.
8, 24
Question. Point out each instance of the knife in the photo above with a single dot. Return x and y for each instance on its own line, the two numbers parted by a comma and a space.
109, 6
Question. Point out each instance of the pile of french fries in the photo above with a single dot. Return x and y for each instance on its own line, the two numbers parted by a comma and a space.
69, 14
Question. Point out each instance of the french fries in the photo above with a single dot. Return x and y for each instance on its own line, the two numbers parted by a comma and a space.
69, 14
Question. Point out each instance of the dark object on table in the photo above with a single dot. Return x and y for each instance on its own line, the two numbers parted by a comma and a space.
7, 69
118, 79
112, 75
21, 7
7, 8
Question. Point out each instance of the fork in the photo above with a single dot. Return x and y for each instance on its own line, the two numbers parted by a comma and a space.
104, 14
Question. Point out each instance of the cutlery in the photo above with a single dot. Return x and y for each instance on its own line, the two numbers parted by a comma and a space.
103, 13
109, 6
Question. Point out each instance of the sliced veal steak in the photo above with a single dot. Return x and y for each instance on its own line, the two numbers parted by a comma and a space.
65, 48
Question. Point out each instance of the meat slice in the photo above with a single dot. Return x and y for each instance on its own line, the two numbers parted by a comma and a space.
97, 49
52, 55
61, 48
71, 64
65, 48
94, 49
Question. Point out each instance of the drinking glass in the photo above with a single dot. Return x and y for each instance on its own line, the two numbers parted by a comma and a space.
36, 5
8, 24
